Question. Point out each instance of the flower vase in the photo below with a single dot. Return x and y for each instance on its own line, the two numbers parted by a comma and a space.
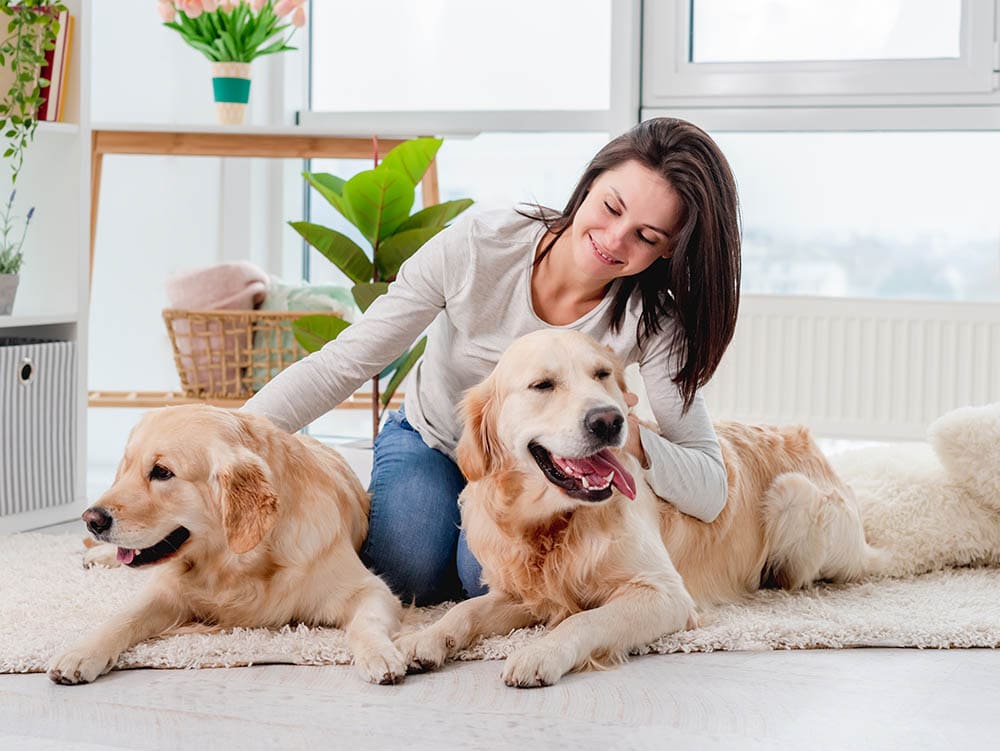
8, 289
231, 85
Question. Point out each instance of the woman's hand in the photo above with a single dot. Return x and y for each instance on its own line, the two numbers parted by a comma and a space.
632, 443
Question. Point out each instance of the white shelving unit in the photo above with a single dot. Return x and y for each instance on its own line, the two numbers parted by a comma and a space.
52, 298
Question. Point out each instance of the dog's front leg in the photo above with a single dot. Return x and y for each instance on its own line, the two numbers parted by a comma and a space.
492, 613
632, 618
152, 614
371, 620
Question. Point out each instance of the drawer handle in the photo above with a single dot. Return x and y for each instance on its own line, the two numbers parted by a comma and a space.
26, 372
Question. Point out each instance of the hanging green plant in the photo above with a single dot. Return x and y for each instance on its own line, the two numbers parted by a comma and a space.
32, 27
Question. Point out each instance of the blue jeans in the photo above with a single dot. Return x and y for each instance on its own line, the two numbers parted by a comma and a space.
414, 538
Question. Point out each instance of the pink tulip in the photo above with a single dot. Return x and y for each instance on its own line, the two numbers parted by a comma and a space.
256, 5
299, 17
210, 6
228, 5
284, 7
167, 11
191, 8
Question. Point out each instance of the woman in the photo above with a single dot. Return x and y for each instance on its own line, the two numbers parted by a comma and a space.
645, 258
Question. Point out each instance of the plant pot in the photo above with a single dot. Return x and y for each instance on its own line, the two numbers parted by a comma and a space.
231, 86
8, 289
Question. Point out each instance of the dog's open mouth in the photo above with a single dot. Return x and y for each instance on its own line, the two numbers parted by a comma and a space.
158, 552
589, 478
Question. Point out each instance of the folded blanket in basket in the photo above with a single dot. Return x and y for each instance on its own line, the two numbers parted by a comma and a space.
318, 298
210, 356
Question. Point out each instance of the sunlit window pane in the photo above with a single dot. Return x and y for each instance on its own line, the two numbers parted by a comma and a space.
884, 215
785, 30
459, 55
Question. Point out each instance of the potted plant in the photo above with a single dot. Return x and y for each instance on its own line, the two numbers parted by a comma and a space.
231, 34
10, 253
32, 27
378, 203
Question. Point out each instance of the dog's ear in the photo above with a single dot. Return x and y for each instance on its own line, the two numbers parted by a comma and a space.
478, 449
249, 503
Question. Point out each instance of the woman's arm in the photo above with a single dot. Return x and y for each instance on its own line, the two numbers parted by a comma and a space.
318, 383
684, 460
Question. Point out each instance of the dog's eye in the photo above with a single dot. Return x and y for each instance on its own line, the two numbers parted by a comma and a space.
159, 472
546, 385
601, 374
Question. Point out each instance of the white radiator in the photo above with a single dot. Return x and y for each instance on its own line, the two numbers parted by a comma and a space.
865, 369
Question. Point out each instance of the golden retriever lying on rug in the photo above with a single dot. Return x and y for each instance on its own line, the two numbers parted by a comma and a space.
568, 537
250, 527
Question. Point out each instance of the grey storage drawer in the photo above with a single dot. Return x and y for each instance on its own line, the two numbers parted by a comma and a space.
38, 411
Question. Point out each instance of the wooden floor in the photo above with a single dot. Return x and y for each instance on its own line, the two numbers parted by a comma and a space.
859, 699
850, 699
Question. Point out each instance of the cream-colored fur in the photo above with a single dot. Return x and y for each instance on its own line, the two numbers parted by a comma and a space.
275, 524
611, 576
937, 504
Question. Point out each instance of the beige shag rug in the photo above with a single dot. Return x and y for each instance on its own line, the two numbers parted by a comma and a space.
47, 600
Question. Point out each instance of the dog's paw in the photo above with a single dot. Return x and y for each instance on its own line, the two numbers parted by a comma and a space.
78, 666
425, 650
536, 665
103, 554
385, 666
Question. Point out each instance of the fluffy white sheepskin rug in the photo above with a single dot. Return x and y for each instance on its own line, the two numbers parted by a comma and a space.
932, 509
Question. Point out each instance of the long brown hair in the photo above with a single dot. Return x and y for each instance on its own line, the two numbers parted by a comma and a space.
699, 284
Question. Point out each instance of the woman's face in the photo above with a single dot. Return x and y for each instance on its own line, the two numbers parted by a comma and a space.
628, 219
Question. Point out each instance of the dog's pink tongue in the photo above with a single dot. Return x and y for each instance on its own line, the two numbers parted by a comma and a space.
596, 469
622, 479
125, 555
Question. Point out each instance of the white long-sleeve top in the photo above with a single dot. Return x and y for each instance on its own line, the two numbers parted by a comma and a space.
471, 284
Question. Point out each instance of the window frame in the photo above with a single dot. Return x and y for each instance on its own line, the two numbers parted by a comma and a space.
670, 78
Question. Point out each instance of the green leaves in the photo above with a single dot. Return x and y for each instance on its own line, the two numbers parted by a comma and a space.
312, 332
378, 202
412, 158
341, 250
237, 35
32, 29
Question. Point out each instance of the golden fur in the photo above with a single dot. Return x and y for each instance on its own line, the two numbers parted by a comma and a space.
611, 576
275, 524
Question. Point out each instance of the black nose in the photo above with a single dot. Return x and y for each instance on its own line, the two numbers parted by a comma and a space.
98, 520
605, 422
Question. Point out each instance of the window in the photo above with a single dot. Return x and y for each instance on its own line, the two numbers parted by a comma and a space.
733, 31
880, 215
455, 55
751, 49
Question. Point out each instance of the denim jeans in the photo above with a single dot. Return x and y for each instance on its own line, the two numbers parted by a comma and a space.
414, 539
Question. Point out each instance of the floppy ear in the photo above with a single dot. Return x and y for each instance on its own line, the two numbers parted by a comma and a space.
249, 503
478, 449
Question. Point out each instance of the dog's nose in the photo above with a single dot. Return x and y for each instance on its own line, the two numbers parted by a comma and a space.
98, 520
605, 422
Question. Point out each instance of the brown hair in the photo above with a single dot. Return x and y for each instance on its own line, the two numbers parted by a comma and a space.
699, 284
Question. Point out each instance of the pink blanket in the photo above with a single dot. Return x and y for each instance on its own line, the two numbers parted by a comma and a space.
212, 356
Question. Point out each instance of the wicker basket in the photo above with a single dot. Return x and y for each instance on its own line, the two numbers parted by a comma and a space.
231, 354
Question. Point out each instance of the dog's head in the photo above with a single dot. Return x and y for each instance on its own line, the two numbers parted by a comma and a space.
189, 477
553, 408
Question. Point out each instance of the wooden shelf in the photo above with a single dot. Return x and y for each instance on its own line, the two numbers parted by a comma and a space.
154, 399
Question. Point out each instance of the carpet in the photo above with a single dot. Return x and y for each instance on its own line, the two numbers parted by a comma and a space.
48, 600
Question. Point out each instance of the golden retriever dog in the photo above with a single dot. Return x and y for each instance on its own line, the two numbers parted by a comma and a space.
570, 535
248, 526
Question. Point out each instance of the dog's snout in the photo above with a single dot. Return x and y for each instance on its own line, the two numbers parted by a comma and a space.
605, 423
98, 520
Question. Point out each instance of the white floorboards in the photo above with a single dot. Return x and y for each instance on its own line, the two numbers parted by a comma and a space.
849, 699
870, 699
